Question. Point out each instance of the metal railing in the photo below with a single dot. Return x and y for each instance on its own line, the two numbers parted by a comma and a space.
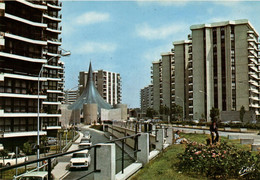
49, 158
135, 136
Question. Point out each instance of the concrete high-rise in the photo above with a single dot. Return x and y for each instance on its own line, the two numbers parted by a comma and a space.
29, 37
163, 81
225, 67
107, 83
146, 98
218, 66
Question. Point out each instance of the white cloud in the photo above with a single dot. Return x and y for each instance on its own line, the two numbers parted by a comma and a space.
153, 33
92, 18
95, 47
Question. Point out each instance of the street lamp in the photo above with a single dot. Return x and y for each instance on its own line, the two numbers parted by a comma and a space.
183, 106
67, 53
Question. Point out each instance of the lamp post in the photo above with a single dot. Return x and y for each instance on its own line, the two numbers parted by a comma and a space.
67, 53
183, 106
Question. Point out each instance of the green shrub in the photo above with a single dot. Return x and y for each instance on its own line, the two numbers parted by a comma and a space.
219, 162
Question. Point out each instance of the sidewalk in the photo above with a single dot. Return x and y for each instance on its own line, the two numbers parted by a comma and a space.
60, 170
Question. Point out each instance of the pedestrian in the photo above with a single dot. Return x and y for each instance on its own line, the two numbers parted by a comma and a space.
214, 132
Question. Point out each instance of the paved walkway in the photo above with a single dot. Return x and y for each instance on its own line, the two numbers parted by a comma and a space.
60, 170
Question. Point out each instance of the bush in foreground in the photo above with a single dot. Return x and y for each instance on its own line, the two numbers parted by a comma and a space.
219, 161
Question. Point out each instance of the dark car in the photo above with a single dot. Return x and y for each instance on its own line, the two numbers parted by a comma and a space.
43, 149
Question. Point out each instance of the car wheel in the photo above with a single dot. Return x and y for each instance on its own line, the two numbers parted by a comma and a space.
8, 164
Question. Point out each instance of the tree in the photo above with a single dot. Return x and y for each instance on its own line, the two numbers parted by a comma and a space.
177, 110
242, 113
150, 112
214, 114
27, 149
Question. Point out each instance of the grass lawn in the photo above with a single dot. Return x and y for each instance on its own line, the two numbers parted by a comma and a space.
163, 166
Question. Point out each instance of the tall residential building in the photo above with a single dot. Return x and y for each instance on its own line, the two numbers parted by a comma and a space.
163, 81
225, 67
218, 66
183, 75
146, 98
29, 37
71, 96
107, 83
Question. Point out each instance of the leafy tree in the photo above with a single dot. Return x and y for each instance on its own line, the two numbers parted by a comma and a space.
27, 148
214, 114
242, 113
177, 110
164, 110
150, 112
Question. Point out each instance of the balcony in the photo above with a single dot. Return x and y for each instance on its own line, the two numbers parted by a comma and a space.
54, 91
51, 103
37, 6
52, 67
37, 24
27, 96
22, 58
58, 30
54, 6
54, 41
20, 38
52, 17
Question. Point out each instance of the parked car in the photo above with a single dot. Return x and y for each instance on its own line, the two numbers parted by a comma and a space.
85, 143
11, 159
80, 159
52, 141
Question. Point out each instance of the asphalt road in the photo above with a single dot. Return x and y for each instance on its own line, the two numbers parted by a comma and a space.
96, 137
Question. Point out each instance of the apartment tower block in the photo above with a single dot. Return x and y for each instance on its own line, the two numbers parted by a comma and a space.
107, 83
29, 37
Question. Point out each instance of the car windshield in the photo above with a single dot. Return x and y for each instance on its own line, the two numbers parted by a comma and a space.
79, 155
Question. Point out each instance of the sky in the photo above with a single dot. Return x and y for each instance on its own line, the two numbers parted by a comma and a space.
127, 36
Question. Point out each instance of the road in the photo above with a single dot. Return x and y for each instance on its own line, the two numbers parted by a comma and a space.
96, 137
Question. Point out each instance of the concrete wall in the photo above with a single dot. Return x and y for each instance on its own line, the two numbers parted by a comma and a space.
123, 108
198, 73
166, 79
90, 113
156, 86
241, 59
179, 74
111, 114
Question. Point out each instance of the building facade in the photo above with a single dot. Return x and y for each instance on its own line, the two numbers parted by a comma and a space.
163, 78
107, 83
225, 67
146, 98
71, 96
29, 37
218, 66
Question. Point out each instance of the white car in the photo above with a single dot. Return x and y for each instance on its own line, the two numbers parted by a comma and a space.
87, 135
85, 142
80, 159
11, 159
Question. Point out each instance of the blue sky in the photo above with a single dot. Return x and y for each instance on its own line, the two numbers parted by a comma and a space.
127, 36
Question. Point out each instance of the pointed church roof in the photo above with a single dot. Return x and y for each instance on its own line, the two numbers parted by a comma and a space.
90, 95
